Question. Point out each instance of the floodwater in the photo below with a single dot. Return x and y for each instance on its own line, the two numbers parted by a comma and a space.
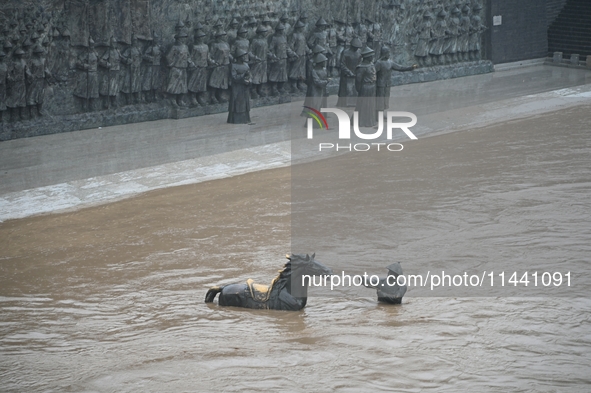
110, 298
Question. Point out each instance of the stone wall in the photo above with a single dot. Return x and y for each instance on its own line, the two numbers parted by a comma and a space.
570, 33
73, 46
523, 32
553, 8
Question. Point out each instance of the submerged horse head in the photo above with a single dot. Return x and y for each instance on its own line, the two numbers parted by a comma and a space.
302, 265
305, 264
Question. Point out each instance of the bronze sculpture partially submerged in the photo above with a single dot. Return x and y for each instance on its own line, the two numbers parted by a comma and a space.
286, 291
387, 289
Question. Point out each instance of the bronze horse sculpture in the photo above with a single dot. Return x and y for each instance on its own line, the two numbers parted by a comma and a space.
288, 291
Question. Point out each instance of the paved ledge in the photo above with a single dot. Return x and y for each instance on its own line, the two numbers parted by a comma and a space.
109, 188
61, 172
150, 112
566, 63
519, 64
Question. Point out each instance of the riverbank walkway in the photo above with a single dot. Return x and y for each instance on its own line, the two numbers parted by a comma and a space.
59, 172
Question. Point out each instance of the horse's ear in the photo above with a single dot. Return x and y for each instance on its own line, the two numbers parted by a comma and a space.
287, 256
307, 257
313, 255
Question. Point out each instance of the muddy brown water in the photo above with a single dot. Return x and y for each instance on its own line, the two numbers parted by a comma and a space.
110, 298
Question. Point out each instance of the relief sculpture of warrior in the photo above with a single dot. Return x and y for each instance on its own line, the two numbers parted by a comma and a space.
341, 44
258, 67
87, 83
197, 84
232, 32
285, 20
331, 33
111, 79
451, 43
220, 76
132, 82
425, 38
320, 35
241, 41
374, 36
178, 61
464, 37
476, 29
279, 52
40, 78
297, 65
151, 77
316, 84
440, 34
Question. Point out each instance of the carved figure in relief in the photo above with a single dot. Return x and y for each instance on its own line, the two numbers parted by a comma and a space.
374, 36
198, 76
279, 52
331, 38
341, 42
39, 77
110, 84
451, 42
87, 80
464, 37
288, 26
440, 34
220, 76
152, 76
242, 42
320, 35
297, 65
476, 29
426, 36
232, 31
64, 53
317, 81
258, 67
132, 82
178, 61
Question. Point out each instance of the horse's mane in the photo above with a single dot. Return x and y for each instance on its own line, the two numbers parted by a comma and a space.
287, 267
285, 272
